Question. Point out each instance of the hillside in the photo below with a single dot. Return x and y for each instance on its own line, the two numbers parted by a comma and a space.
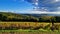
4, 16
15, 17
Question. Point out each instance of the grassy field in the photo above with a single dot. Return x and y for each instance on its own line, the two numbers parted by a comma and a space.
28, 31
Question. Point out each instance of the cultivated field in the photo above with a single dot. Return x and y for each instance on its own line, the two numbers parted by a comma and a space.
27, 28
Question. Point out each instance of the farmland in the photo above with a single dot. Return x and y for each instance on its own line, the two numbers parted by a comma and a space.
11, 23
23, 28
33, 26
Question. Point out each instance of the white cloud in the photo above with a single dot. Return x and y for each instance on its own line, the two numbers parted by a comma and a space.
58, 8
40, 12
3, 11
33, 12
57, 0
45, 12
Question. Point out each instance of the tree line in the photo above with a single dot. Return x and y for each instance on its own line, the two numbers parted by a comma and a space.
31, 19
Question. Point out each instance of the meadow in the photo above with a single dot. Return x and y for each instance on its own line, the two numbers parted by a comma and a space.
28, 28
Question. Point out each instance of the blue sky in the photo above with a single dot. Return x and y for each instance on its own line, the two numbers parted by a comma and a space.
26, 6
14, 5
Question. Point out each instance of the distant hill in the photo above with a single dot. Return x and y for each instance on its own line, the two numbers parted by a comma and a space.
6, 16
35, 15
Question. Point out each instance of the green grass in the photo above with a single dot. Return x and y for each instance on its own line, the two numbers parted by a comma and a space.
41, 30
47, 31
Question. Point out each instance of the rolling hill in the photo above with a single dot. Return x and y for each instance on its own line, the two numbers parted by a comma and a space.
6, 16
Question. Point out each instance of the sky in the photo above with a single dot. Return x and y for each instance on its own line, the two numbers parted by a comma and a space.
14, 6
26, 6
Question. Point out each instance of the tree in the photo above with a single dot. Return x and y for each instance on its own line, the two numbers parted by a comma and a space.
2, 17
52, 20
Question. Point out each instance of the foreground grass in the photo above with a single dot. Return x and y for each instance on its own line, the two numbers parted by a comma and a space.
41, 30
31, 24
28, 32
20, 31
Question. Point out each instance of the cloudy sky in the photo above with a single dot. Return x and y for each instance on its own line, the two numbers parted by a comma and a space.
26, 6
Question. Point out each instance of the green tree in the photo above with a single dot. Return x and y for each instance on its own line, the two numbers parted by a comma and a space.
52, 20
2, 17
